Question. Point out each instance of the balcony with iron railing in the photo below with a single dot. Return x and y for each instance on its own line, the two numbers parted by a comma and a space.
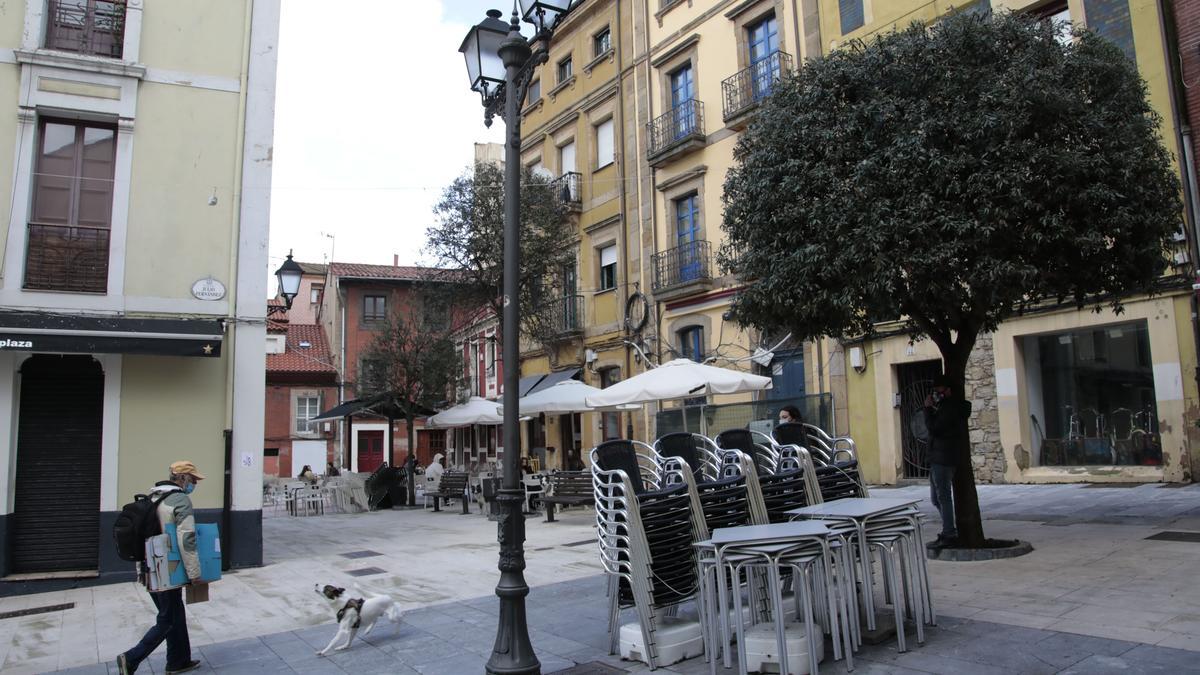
683, 270
92, 27
569, 188
566, 315
68, 258
676, 132
743, 91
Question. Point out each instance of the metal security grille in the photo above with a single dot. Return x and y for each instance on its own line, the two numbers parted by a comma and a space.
56, 522
916, 382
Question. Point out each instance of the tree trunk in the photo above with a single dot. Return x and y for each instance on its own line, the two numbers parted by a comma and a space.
966, 500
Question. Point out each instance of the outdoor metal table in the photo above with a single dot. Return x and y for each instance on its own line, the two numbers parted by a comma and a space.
859, 511
769, 542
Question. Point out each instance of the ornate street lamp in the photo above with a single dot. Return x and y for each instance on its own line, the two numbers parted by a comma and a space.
289, 275
500, 64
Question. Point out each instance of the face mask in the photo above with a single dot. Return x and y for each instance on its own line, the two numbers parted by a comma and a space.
187, 489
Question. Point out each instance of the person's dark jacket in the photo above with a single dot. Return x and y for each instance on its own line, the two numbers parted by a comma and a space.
948, 436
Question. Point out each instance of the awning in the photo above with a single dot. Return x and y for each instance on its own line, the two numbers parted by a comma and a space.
528, 382
381, 405
82, 334
553, 379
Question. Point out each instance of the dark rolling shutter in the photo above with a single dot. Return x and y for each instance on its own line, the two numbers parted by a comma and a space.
56, 522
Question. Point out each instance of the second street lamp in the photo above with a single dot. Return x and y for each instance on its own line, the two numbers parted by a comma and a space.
500, 64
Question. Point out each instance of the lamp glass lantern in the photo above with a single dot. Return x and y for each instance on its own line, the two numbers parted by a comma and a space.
481, 49
289, 275
544, 14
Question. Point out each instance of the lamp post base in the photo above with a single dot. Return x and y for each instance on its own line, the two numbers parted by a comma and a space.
513, 652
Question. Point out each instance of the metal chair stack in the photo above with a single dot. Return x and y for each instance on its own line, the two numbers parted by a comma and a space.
837, 475
645, 529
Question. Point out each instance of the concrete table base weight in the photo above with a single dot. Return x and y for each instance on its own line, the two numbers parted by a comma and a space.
1015, 548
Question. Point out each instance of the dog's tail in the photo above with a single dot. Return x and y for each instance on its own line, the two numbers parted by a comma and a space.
394, 614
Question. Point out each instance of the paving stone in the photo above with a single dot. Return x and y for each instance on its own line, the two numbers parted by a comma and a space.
237, 651
453, 665
1099, 665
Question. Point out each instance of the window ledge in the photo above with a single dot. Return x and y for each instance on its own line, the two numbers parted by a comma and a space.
602, 291
81, 62
609, 55
604, 166
531, 108
667, 6
562, 86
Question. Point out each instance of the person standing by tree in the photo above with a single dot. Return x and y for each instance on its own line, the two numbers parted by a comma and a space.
945, 418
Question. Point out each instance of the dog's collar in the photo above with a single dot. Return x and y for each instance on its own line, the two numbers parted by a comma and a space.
357, 604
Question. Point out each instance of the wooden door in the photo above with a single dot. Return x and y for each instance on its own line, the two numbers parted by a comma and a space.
370, 450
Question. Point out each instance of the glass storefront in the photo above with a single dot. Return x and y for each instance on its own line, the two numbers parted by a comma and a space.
1091, 397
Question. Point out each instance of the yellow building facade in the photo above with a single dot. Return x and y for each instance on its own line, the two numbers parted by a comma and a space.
137, 141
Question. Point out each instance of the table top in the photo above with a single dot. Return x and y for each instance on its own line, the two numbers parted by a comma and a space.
853, 507
774, 532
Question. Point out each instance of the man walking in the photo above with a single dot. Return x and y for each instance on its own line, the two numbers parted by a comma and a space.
175, 508
945, 418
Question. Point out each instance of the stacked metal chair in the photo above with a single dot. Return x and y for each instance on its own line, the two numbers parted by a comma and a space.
837, 474
646, 525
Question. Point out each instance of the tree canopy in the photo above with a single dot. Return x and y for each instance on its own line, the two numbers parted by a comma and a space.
949, 176
468, 239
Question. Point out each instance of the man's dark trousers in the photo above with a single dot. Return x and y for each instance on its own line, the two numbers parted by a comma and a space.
171, 626
941, 491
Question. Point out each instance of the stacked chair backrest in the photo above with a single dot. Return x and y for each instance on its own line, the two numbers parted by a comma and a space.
693, 449
646, 525
791, 433
742, 440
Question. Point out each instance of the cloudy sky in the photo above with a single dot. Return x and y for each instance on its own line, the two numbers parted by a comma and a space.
373, 118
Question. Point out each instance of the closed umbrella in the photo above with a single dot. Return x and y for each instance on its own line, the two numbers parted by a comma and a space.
681, 378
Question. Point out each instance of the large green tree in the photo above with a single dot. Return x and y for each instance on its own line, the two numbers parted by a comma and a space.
950, 176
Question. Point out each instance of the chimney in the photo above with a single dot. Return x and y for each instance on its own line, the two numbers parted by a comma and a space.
395, 260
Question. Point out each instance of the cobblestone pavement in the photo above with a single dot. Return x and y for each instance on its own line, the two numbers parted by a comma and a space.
1096, 595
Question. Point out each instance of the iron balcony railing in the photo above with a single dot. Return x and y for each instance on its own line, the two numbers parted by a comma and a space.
746, 88
683, 264
567, 187
567, 314
682, 123
68, 258
95, 27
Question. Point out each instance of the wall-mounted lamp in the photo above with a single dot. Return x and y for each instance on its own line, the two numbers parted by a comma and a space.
858, 359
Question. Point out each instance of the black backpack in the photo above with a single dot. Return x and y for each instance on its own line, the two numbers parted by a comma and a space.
137, 522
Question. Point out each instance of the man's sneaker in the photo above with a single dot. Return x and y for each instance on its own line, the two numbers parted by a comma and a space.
123, 665
190, 665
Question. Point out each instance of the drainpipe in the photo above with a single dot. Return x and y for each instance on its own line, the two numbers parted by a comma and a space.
1187, 170
345, 449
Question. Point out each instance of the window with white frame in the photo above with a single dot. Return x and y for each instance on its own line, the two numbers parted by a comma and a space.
608, 267
604, 143
308, 406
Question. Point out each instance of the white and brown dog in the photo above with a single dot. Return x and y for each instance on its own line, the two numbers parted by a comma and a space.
355, 613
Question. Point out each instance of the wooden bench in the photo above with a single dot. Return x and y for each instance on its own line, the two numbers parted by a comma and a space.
453, 485
569, 488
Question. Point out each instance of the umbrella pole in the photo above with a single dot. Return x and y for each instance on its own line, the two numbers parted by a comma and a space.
683, 408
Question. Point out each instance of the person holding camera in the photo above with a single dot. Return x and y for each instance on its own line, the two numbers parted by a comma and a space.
946, 420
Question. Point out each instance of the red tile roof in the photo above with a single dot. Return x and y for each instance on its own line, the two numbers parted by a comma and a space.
315, 358
312, 268
400, 273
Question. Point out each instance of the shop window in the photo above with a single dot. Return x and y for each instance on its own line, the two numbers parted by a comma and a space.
1091, 397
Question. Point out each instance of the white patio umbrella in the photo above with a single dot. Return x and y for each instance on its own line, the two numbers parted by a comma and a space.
681, 378
476, 410
564, 397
